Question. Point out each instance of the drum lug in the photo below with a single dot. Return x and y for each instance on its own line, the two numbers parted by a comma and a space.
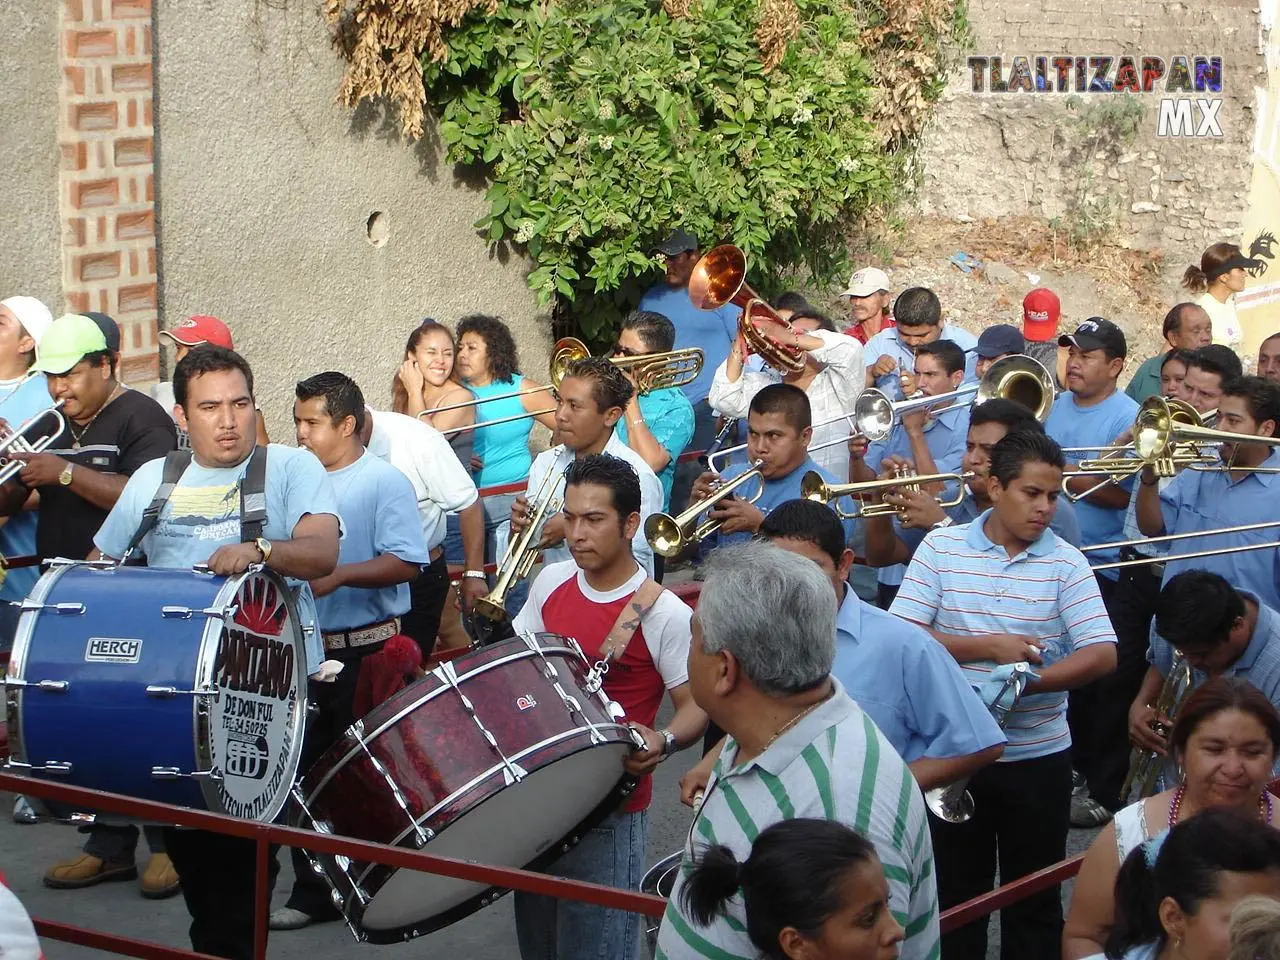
186, 613
160, 690
173, 773
59, 767
48, 686
62, 609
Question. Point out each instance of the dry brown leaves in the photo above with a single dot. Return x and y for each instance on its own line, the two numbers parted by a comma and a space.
677, 9
904, 51
381, 40
779, 24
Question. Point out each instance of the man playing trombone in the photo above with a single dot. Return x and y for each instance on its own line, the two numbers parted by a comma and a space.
1002, 590
1242, 490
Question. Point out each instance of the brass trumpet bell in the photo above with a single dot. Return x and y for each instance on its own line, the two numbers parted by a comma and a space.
669, 536
814, 487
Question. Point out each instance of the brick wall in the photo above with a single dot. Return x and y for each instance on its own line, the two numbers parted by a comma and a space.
992, 155
106, 180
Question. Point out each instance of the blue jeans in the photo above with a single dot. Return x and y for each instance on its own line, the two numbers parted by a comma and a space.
551, 929
497, 532
452, 543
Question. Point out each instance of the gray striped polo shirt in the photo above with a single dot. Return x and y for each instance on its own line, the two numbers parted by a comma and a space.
834, 764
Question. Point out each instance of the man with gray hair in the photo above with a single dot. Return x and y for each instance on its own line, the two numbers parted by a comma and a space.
797, 746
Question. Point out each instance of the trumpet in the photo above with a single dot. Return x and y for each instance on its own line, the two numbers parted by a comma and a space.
651, 371
669, 536
720, 277
1019, 378
16, 440
953, 802
1145, 764
522, 552
814, 487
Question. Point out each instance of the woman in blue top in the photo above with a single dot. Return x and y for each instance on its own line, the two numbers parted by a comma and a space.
1175, 893
487, 361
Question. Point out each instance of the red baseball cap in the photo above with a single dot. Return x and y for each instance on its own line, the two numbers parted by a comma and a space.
1040, 312
199, 329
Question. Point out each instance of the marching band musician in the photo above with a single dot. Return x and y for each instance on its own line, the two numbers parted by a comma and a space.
1205, 500
1001, 590
778, 434
110, 433
358, 604
200, 522
1220, 631
592, 397
934, 443
604, 598
918, 320
1269, 358
832, 378
900, 676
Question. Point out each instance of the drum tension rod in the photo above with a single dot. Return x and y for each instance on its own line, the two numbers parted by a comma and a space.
63, 609
186, 613
160, 690
60, 767
422, 835
48, 686
512, 772
317, 867
173, 773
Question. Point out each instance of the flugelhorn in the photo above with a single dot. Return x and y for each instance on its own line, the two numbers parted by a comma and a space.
1019, 378
814, 487
953, 803
720, 277
669, 535
651, 371
16, 440
1145, 764
522, 552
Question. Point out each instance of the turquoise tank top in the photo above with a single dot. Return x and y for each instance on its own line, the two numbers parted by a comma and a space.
504, 449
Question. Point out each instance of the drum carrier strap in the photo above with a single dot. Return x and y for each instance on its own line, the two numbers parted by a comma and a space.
253, 496
629, 618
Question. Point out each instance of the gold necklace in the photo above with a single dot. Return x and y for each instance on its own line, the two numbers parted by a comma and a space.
76, 437
794, 720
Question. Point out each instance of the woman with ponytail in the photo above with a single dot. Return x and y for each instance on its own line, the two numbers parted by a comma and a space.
1220, 276
813, 890
1175, 893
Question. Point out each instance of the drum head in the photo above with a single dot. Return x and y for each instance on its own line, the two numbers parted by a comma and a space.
250, 736
521, 825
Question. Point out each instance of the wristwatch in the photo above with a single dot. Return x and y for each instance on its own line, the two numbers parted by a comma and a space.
64, 477
668, 743
944, 522
264, 548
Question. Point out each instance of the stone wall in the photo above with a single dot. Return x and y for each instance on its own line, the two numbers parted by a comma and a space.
999, 154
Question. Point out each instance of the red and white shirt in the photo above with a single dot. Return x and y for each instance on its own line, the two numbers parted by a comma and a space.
656, 659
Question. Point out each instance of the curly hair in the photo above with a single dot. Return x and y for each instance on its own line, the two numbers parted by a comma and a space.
504, 359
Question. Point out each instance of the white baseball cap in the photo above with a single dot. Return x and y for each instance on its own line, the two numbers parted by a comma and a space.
867, 281
31, 313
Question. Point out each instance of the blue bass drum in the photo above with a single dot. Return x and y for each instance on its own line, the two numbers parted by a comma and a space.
169, 685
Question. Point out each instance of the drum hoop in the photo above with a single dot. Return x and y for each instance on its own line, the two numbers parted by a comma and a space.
476, 781
206, 663
523, 653
18, 659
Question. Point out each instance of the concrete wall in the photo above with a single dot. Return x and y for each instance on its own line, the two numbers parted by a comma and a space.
30, 256
991, 155
266, 186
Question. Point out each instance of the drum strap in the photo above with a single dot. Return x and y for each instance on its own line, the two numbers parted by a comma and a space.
629, 618
253, 498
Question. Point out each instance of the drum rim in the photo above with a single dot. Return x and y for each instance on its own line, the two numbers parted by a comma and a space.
394, 719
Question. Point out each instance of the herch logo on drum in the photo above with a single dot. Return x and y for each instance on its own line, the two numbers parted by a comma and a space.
253, 718
112, 650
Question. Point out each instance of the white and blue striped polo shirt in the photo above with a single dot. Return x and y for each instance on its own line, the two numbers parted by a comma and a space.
960, 582
833, 764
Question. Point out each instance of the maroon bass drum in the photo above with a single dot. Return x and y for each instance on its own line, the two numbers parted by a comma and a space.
502, 756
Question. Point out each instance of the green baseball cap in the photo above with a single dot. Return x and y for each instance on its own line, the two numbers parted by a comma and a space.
68, 340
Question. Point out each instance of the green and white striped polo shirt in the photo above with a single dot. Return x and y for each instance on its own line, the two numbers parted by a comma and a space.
835, 764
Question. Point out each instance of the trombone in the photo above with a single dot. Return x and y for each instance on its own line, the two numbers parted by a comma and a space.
522, 552
814, 487
17, 442
1145, 764
1193, 555
651, 371
669, 536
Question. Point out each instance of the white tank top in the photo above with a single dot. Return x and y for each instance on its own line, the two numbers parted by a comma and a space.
1131, 829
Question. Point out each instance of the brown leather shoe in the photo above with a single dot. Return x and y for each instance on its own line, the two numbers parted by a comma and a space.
160, 880
86, 870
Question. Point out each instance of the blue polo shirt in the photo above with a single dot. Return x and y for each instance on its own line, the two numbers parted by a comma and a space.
909, 684
887, 344
20, 400
776, 491
960, 582
1099, 425
945, 436
711, 331
669, 416
1201, 500
1259, 664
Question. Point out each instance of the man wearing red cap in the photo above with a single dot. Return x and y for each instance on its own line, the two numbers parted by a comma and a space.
1041, 311
196, 331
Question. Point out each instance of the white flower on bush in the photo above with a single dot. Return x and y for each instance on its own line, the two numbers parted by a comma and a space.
802, 115
848, 164
606, 143
606, 110
525, 233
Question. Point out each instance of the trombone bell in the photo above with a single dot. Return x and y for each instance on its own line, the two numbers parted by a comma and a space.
651, 371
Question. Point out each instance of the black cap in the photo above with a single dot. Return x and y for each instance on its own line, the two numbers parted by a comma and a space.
110, 330
999, 340
1097, 334
679, 242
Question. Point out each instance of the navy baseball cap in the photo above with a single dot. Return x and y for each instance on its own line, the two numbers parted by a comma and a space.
999, 340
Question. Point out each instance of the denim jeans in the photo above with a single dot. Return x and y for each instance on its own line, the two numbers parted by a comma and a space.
497, 533
551, 929
452, 544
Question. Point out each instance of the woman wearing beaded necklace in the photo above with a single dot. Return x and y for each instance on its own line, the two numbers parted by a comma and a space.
1225, 740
